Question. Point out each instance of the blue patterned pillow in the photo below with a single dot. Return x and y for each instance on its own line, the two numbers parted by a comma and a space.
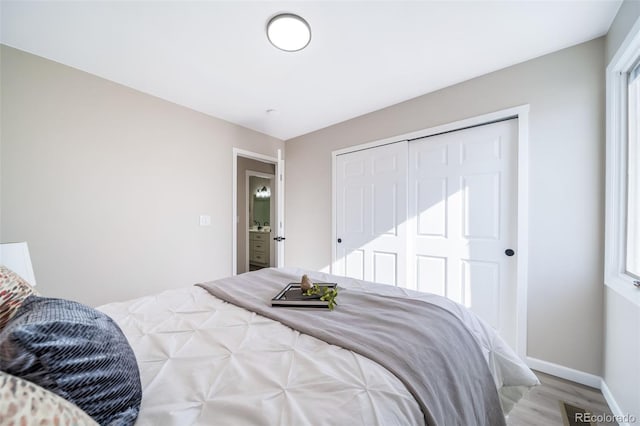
76, 352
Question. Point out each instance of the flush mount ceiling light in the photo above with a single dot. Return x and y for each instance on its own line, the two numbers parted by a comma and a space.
288, 32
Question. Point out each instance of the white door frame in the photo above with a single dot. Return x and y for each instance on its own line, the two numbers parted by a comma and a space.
279, 165
522, 229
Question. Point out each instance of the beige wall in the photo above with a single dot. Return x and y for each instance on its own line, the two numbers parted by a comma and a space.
245, 164
566, 93
622, 317
107, 184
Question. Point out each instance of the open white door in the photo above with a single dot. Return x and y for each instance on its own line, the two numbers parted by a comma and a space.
279, 238
276, 251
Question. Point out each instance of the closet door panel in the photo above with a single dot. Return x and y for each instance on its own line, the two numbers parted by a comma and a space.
371, 214
464, 206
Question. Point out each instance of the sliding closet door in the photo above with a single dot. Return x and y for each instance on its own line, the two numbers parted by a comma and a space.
371, 213
462, 209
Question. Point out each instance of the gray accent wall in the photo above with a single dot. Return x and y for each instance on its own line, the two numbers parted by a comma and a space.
107, 184
565, 91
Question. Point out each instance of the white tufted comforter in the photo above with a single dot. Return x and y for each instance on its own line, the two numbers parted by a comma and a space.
206, 362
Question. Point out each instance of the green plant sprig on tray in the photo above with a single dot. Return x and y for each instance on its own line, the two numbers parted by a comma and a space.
326, 294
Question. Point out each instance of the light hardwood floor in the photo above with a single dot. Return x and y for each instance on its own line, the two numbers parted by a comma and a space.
541, 406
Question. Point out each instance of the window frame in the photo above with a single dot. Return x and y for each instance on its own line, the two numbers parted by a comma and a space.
622, 63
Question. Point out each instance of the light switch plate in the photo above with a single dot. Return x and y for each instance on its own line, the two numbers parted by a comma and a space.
205, 220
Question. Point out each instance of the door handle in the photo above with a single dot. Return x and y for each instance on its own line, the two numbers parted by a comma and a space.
278, 239
339, 240
509, 252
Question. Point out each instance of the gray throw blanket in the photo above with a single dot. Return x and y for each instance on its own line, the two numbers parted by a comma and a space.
425, 346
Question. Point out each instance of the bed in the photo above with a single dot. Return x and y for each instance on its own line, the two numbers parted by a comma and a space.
204, 361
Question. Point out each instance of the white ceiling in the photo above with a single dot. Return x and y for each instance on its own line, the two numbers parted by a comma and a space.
214, 57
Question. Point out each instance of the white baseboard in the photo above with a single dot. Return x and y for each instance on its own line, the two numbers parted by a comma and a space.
581, 377
613, 405
565, 372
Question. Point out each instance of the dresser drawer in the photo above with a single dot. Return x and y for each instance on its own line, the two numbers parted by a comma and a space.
258, 245
259, 257
259, 248
259, 236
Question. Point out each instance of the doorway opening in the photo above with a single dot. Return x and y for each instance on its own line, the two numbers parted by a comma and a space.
258, 222
259, 211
